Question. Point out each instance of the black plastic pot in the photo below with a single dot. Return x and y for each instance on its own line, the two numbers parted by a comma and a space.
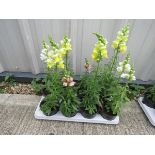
72, 115
86, 114
45, 92
52, 112
148, 102
107, 115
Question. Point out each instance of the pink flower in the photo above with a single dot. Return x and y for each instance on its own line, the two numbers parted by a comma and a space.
71, 84
68, 81
64, 84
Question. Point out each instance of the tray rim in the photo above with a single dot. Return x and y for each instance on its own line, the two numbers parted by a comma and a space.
78, 118
147, 110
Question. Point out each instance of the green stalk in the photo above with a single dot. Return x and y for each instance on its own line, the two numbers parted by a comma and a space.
66, 60
114, 59
96, 71
97, 68
56, 68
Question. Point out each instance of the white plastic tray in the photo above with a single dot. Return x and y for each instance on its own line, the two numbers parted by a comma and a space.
77, 118
150, 112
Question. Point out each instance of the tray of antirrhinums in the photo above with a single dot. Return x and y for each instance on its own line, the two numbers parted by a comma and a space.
98, 96
147, 103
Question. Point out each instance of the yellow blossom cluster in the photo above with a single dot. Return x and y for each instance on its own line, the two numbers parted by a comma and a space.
54, 56
100, 49
65, 45
120, 42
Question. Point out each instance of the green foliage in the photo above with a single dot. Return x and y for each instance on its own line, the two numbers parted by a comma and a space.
113, 94
53, 84
89, 90
2, 90
37, 86
50, 84
135, 91
116, 99
70, 103
10, 79
50, 103
150, 93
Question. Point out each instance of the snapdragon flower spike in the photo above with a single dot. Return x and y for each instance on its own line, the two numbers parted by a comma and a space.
45, 45
44, 52
43, 55
52, 56
67, 79
66, 45
131, 74
121, 40
53, 43
87, 66
55, 59
100, 49
125, 70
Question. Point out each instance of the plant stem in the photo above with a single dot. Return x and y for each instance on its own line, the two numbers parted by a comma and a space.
96, 71
66, 61
114, 59
56, 68
97, 68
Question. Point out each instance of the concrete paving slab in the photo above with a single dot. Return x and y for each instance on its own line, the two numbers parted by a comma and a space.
27, 100
17, 117
3, 97
132, 121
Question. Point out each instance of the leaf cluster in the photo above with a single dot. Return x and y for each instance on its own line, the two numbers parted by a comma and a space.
70, 103
113, 94
9, 78
89, 91
38, 86
150, 93
2, 90
49, 103
135, 91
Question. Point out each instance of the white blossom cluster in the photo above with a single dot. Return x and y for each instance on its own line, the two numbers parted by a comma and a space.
125, 70
54, 55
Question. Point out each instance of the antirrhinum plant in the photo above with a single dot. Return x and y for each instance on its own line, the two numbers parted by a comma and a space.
89, 85
53, 56
113, 94
70, 102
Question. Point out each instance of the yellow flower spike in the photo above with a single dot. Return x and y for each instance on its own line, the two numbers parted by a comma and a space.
104, 53
95, 54
124, 38
65, 43
61, 65
115, 44
49, 64
62, 52
54, 56
100, 50
123, 48
57, 59
68, 46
